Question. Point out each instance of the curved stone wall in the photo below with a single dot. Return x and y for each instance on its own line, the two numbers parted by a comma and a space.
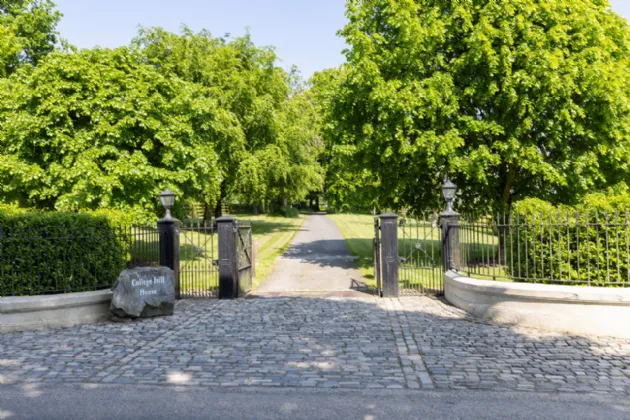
567, 309
34, 312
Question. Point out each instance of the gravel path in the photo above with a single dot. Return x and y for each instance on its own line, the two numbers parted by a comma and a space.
316, 260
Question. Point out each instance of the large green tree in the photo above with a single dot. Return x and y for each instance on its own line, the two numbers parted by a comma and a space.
100, 129
273, 157
288, 169
511, 99
27, 32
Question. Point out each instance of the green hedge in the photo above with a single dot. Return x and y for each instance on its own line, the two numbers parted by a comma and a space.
584, 244
55, 252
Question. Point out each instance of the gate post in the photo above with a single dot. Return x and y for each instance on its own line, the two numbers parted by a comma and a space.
228, 270
450, 229
450, 240
389, 254
168, 230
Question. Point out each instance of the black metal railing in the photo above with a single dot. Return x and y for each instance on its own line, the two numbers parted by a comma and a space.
589, 248
63, 260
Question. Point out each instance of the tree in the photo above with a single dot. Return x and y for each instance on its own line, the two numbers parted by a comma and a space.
99, 129
275, 156
289, 169
511, 99
348, 185
27, 32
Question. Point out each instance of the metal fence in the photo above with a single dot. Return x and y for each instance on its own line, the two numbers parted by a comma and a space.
72, 259
590, 248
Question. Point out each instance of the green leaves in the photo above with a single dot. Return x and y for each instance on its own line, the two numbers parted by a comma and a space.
98, 129
207, 117
266, 136
511, 99
27, 32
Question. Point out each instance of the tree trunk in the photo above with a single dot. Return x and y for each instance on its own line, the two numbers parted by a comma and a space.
207, 214
218, 211
503, 231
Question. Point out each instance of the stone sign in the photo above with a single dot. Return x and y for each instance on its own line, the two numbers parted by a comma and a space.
143, 292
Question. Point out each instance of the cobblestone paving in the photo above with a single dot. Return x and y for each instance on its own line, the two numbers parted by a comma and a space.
411, 342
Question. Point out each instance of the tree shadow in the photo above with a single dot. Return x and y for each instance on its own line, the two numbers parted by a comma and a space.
260, 227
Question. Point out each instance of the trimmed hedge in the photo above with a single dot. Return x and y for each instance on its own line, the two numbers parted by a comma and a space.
56, 252
584, 244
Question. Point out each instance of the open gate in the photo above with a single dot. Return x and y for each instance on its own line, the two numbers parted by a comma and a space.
245, 257
377, 257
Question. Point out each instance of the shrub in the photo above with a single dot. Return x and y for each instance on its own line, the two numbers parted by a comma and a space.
288, 211
584, 244
42, 253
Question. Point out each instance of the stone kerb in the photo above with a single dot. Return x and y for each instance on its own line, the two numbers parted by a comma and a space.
52, 311
566, 309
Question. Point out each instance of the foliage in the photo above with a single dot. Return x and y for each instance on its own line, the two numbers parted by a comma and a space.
512, 99
290, 212
349, 186
99, 129
289, 168
57, 252
579, 243
272, 152
27, 32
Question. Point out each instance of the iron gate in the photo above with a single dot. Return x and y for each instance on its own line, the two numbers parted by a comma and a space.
421, 269
245, 258
377, 257
420, 266
198, 271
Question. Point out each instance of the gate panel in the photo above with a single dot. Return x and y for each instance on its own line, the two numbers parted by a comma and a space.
245, 260
198, 267
377, 257
421, 269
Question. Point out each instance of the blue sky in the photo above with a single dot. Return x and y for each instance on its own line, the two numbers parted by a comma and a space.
303, 31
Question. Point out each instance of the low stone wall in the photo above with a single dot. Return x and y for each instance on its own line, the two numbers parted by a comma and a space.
567, 309
34, 312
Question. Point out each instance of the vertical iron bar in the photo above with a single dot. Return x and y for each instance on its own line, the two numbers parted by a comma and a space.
607, 221
617, 245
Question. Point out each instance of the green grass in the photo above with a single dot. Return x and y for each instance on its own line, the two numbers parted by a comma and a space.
358, 233
273, 235
198, 249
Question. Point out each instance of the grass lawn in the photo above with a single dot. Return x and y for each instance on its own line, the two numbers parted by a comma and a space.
198, 249
418, 243
273, 235
358, 233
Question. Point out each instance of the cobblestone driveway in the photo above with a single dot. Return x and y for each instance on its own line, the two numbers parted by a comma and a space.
411, 342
